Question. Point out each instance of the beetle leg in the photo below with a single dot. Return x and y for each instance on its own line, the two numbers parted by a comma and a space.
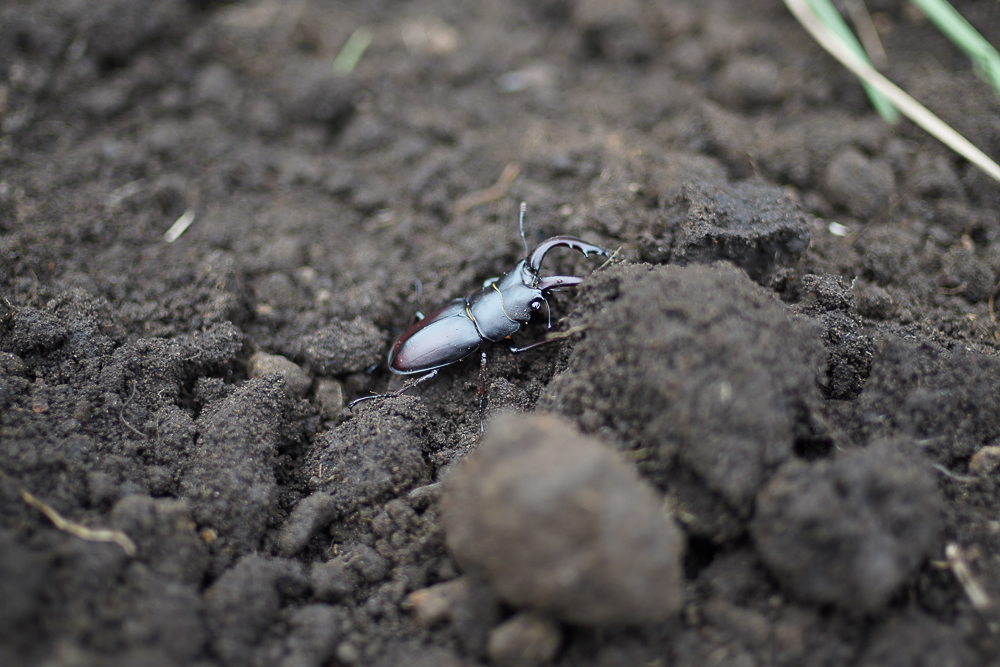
482, 389
518, 350
550, 338
399, 392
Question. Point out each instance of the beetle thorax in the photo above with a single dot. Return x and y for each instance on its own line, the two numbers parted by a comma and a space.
519, 289
500, 308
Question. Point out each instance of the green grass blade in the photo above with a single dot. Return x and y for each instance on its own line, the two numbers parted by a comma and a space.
826, 13
353, 49
906, 104
984, 57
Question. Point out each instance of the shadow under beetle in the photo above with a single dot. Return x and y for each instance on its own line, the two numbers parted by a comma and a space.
493, 314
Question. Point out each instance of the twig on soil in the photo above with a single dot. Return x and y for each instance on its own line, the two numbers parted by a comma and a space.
957, 563
491, 194
78, 530
951, 291
906, 104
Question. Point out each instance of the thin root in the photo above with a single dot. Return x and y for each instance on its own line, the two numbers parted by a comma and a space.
79, 530
121, 413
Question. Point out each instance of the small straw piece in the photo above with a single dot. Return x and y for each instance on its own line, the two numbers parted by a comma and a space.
179, 226
956, 561
353, 49
906, 104
78, 530
867, 33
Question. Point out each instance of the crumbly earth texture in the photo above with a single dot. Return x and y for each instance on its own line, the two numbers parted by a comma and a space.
791, 360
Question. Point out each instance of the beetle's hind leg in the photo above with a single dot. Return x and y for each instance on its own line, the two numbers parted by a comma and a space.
399, 392
482, 390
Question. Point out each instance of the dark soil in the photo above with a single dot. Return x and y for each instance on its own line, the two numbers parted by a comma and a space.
814, 406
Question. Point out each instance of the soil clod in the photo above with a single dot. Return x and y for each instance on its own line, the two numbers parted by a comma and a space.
557, 524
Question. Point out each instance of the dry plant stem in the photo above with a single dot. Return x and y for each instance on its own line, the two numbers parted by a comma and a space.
830, 17
493, 193
84, 533
906, 104
862, 21
956, 561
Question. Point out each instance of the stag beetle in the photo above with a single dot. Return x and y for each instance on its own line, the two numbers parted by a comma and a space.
493, 314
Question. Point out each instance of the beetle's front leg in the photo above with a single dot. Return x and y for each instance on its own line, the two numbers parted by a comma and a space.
550, 338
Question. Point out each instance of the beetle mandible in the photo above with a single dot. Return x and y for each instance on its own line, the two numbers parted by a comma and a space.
493, 314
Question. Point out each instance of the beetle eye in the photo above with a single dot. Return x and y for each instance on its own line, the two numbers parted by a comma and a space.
535, 305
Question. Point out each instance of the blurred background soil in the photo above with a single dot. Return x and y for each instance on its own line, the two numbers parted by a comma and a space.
791, 357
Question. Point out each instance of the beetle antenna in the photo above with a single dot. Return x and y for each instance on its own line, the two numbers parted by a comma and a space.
520, 224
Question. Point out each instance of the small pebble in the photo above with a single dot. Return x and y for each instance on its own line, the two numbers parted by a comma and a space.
436, 604
330, 396
347, 653
296, 379
985, 461
525, 640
